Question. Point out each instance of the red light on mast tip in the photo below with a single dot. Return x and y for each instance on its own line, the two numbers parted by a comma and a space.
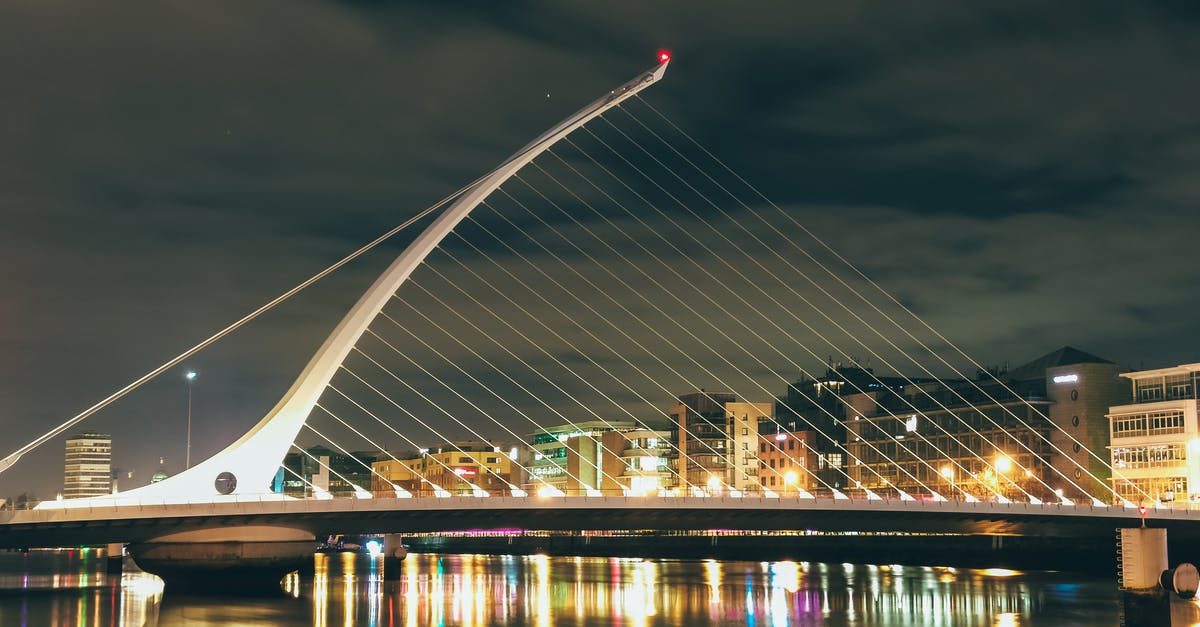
664, 56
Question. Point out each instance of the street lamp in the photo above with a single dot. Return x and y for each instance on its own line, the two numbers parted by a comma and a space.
187, 458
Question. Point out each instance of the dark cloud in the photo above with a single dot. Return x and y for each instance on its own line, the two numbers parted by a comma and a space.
1021, 175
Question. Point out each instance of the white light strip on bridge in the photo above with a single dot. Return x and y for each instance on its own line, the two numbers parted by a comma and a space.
861, 274
804, 323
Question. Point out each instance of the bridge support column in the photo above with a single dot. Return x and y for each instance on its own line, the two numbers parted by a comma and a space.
1143, 557
115, 554
394, 553
231, 560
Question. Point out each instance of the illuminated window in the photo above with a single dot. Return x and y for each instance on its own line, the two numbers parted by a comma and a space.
1149, 390
1179, 387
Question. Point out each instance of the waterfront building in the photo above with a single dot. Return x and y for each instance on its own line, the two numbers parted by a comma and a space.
698, 422
401, 469
1155, 440
320, 471
787, 462
573, 459
742, 443
88, 468
453, 469
1027, 435
636, 462
717, 440
818, 405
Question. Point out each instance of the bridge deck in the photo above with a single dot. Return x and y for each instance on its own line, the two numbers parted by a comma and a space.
132, 523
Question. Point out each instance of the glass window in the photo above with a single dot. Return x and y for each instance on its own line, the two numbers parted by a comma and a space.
1179, 387
1149, 390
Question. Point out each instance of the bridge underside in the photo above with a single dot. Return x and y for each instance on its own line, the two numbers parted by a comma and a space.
135, 524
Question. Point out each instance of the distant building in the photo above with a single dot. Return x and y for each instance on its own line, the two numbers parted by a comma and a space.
1155, 450
453, 469
699, 423
717, 440
319, 470
1025, 433
88, 469
741, 446
636, 462
571, 458
161, 474
787, 462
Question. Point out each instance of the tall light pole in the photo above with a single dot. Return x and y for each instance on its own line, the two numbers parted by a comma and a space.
187, 463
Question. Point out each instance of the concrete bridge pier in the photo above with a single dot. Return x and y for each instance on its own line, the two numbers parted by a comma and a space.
231, 560
394, 553
115, 554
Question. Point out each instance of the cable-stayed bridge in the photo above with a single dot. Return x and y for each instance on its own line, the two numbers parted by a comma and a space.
605, 266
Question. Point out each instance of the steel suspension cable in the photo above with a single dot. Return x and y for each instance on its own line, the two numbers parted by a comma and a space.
808, 232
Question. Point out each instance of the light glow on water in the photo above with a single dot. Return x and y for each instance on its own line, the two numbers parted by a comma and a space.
475, 590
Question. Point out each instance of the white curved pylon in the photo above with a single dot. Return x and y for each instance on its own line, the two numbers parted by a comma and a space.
254, 459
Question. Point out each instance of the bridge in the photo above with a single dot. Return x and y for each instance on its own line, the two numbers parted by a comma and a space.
144, 523
927, 466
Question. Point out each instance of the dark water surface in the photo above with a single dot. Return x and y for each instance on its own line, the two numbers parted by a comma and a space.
70, 588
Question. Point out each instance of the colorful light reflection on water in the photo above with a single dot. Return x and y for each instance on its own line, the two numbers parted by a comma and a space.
71, 589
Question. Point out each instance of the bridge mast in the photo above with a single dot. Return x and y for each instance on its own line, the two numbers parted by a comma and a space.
248, 465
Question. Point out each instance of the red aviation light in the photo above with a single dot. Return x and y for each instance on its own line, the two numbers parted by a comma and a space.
664, 56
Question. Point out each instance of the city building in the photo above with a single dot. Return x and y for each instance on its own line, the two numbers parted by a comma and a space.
717, 440
741, 446
698, 421
576, 459
88, 469
1155, 440
319, 471
787, 461
820, 406
1016, 434
638, 464
454, 469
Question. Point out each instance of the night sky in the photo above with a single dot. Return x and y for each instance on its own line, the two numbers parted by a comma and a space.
1022, 175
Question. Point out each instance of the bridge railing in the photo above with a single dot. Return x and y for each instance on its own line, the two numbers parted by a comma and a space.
98, 505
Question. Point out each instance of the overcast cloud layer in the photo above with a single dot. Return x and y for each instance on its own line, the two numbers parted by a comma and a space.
1021, 175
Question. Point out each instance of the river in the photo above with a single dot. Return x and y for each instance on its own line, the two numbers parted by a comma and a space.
70, 588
